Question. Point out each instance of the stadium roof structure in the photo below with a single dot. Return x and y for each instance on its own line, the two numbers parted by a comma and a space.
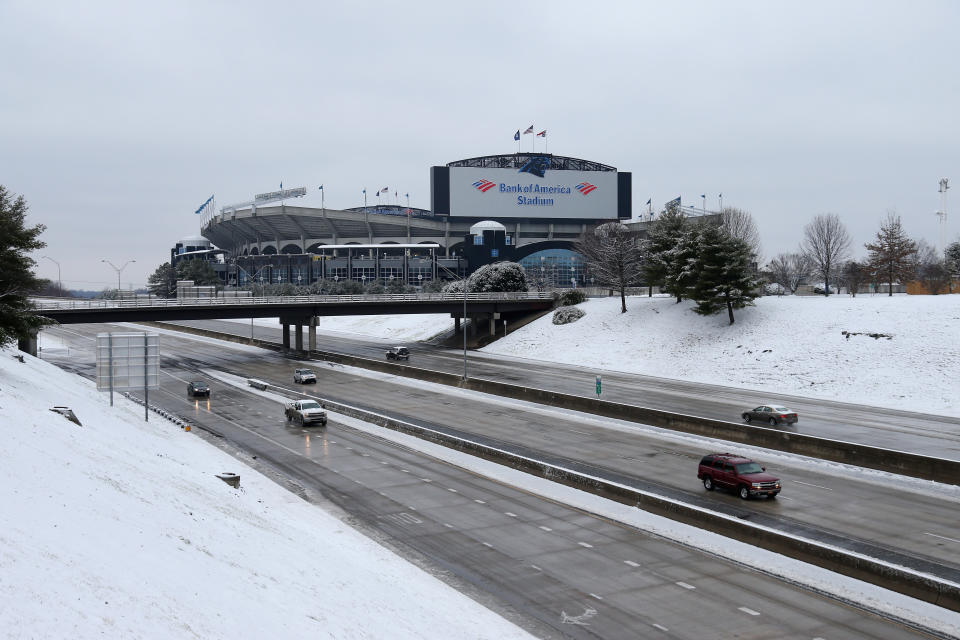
518, 160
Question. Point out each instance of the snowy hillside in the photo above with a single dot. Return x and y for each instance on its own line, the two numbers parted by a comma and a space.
787, 344
120, 529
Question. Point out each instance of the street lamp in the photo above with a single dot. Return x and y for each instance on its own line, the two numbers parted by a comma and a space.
119, 270
59, 282
464, 319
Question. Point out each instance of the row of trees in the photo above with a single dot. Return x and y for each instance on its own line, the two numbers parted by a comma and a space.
711, 264
891, 257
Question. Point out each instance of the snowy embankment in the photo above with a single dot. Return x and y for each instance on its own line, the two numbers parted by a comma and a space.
120, 528
792, 345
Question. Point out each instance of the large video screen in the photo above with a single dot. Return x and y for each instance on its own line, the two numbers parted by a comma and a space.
532, 192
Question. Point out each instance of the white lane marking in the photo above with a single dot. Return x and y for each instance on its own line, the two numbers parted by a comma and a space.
593, 595
479, 501
536, 567
941, 537
813, 485
405, 470
546, 528
426, 479
660, 626
750, 611
685, 585
452, 490
358, 482
411, 508
448, 526
631, 563
365, 455
382, 462
585, 544
512, 515
487, 544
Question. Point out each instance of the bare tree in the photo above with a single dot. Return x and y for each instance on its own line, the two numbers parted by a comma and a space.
613, 256
739, 224
790, 270
893, 254
931, 268
855, 275
826, 243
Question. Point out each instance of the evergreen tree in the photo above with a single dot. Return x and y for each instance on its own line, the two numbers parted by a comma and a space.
680, 261
163, 282
200, 271
892, 254
663, 237
723, 277
17, 280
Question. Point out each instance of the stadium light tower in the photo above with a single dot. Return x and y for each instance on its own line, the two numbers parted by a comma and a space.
942, 213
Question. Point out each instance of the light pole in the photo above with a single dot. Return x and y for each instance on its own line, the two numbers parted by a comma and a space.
59, 281
464, 280
119, 270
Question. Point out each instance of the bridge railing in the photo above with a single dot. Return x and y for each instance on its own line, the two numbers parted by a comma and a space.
43, 304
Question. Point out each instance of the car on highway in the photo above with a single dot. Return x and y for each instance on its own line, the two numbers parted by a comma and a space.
743, 475
398, 353
773, 414
304, 412
198, 388
304, 376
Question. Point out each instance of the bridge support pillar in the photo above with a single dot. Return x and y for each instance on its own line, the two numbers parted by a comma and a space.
285, 332
456, 324
298, 328
312, 338
493, 326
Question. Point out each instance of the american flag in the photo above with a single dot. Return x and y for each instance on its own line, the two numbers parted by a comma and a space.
529, 130
385, 190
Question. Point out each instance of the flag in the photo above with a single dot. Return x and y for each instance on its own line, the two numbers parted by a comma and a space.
703, 195
529, 130
648, 201
321, 187
364, 192
385, 190
543, 134
204, 205
516, 136
281, 186
408, 195
378, 194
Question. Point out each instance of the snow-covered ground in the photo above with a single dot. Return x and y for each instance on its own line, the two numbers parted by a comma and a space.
121, 529
789, 344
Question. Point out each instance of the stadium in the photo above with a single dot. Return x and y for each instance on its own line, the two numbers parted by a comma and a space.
525, 207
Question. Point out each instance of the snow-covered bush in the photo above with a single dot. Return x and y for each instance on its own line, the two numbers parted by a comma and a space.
456, 286
499, 276
774, 289
566, 315
571, 297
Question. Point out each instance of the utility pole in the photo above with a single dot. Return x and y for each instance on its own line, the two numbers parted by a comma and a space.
59, 281
942, 213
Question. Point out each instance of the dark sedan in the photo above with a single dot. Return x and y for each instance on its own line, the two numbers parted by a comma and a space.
198, 388
772, 414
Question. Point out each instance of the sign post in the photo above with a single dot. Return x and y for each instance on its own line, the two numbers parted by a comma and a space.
128, 362
599, 385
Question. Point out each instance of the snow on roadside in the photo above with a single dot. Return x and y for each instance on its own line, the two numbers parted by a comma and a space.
120, 528
790, 345
840, 586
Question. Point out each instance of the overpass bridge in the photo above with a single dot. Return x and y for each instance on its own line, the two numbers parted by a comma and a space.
298, 311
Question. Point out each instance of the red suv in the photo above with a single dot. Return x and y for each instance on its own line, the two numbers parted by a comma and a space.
743, 475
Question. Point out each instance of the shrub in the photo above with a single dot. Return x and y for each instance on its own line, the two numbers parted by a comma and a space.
571, 297
499, 276
566, 315
456, 286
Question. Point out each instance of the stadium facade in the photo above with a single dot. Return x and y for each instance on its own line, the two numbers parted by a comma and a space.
540, 204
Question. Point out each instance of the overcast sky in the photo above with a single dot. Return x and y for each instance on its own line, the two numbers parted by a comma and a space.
117, 120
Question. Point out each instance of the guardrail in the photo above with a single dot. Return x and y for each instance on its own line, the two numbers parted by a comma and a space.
43, 304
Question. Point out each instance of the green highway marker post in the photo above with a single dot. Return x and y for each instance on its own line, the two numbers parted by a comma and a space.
599, 385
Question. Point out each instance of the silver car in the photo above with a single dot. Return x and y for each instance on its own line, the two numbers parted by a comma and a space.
773, 414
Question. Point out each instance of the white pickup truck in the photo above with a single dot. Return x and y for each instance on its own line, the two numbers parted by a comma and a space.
303, 412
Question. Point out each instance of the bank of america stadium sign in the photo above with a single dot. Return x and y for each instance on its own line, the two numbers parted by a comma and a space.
533, 194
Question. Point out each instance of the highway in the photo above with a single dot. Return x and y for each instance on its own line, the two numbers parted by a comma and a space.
489, 552
925, 434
